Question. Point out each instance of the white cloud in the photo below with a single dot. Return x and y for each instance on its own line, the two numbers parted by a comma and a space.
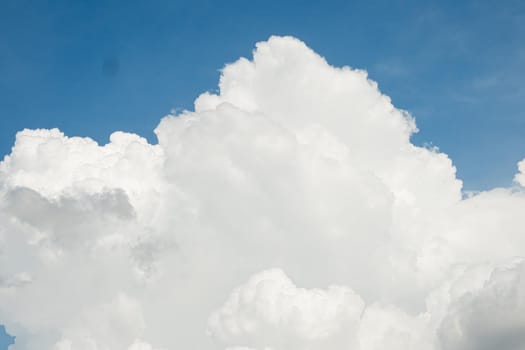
294, 164
269, 311
389, 327
114, 325
490, 317
520, 177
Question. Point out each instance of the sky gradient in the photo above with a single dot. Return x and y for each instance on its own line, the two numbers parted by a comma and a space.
93, 67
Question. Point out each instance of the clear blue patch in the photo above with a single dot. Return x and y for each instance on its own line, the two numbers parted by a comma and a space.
5, 339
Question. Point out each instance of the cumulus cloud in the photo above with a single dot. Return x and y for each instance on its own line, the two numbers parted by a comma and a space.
489, 317
520, 177
294, 165
270, 311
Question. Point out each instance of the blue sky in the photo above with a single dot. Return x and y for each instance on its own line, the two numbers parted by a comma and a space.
5, 339
92, 67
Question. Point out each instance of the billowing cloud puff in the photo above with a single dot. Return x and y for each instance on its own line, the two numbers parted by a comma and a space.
270, 311
293, 164
520, 177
